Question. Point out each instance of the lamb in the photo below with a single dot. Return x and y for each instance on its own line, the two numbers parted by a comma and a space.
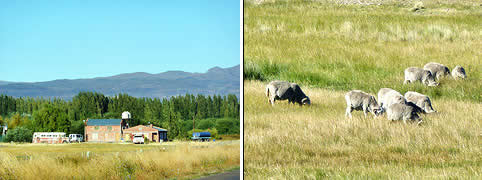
281, 90
422, 101
387, 97
413, 74
359, 100
438, 70
459, 72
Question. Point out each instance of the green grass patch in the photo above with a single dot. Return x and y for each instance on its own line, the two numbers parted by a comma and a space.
325, 45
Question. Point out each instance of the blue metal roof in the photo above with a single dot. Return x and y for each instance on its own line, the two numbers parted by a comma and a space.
159, 129
104, 122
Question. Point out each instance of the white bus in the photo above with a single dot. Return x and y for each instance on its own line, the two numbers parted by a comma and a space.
49, 137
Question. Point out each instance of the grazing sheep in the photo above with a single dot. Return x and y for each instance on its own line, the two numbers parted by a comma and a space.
359, 100
407, 111
413, 74
281, 90
422, 101
387, 97
459, 72
438, 70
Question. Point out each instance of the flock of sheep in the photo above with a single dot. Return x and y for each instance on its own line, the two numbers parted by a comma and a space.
430, 72
397, 106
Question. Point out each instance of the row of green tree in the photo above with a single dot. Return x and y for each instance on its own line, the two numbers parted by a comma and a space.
49, 115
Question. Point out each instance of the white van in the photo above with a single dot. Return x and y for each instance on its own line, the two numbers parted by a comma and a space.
76, 138
138, 139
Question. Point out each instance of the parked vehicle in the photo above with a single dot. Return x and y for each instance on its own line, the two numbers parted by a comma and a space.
138, 139
201, 136
50, 137
76, 138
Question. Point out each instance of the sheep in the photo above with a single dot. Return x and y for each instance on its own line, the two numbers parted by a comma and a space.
359, 100
438, 70
387, 97
282, 90
404, 111
422, 101
413, 74
459, 72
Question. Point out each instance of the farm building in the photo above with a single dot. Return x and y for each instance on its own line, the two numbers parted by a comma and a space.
153, 133
103, 130
117, 130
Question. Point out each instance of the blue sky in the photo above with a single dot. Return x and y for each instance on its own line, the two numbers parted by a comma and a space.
47, 40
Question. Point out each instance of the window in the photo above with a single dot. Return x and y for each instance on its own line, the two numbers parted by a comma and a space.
96, 127
109, 128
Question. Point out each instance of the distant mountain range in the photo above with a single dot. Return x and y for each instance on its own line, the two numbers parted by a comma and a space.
140, 84
5, 82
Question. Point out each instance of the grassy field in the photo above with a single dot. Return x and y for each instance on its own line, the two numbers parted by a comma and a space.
180, 160
330, 48
344, 47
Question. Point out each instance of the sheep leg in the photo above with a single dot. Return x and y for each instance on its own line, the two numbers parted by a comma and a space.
348, 112
365, 110
272, 100
438, 76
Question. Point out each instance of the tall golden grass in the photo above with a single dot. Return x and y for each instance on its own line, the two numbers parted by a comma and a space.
183, 160
318, 141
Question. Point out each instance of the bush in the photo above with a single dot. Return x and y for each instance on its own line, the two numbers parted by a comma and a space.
19, 134
146, 140
227, 126
206, 124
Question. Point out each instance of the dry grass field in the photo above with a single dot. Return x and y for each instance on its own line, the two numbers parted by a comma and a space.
332, 46
291, 142
180, 160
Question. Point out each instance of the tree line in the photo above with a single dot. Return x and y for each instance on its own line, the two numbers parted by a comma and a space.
49, 115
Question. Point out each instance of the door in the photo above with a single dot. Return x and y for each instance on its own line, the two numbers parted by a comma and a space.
94, 137
154, 137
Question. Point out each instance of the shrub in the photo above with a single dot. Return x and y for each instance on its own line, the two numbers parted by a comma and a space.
206, 124
146, 140
227, 126
19, 134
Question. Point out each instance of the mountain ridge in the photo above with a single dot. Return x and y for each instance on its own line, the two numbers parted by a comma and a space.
139, 84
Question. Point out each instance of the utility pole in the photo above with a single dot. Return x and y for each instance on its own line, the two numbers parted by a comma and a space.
193, 124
